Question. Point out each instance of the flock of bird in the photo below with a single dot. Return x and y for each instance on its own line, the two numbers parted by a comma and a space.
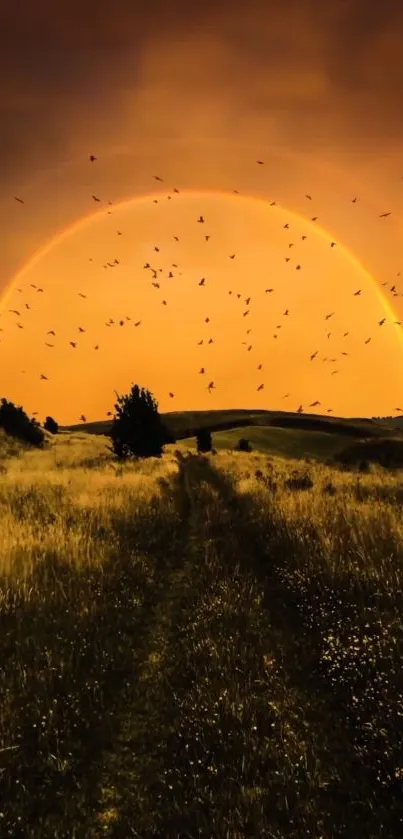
155, 271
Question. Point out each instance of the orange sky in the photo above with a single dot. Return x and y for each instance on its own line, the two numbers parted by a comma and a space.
198, 96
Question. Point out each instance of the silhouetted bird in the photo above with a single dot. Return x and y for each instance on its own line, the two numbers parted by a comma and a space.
44, 377
381, 322
260, 387
200, 220
95, 198
202, 281
384, 215
357, 293
92, 158
20, 201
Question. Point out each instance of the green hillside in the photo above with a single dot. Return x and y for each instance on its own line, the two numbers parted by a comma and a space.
185, 423
289, 442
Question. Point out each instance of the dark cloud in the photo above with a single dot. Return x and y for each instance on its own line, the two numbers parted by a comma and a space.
330, 71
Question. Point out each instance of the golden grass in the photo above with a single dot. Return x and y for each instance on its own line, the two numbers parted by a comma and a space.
209, 648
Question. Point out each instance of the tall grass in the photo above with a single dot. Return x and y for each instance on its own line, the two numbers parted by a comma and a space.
78, 545
203, 648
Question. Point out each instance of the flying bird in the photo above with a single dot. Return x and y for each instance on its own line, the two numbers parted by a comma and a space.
202, 281
19, 200
200, 220
93, 158
260, 162
95, 198
260, 387
157, 178
72, 344
83, 418
381, 322
384, 215
357, 293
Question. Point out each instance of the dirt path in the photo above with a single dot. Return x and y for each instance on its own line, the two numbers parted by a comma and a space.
225, 732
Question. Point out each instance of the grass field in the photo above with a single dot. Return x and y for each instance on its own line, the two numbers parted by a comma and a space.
199, 646
288, 442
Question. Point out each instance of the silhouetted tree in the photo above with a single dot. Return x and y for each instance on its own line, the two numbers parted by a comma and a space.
51, 425
244, 445
16, 423
204, 440
137, 428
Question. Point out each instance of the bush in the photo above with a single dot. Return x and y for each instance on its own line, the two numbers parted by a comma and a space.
243, 445
51, 425
204, 440
16, 423
137, 428
296, 482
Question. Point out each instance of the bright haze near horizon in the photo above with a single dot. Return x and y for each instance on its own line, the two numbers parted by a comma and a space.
197, 95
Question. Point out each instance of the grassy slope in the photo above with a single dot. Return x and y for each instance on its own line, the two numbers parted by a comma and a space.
289, 442
191, 649
185, 423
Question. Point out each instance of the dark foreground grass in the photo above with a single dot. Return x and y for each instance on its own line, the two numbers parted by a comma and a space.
69, 645
189, 689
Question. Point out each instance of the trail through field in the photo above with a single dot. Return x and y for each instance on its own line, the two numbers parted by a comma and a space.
228, 729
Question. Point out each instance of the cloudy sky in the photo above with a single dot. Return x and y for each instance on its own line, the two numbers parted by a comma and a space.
197, 93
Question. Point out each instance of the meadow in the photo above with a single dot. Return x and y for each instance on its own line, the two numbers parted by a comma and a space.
199, 646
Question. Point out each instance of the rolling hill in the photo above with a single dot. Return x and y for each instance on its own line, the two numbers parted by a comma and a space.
184, 424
